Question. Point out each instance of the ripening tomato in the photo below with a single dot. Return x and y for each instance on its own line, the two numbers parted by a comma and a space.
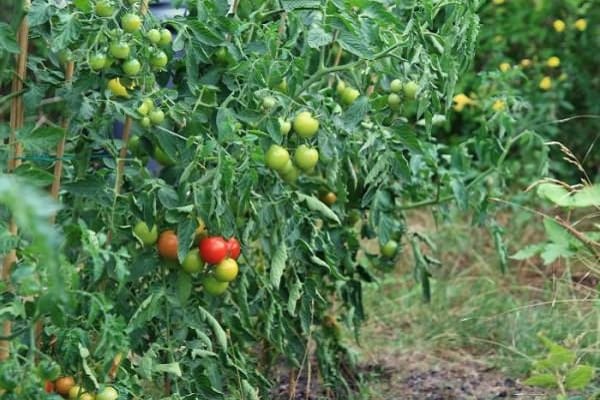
389, 249
146, 235
349, 95
131, 22
329, 198
131, 67
116, 87
410, 90
306, 158
119, 50
153, 35
276, 157
168, 244
159, 59
104, 8
49, 387
226, 270
305, 125
233, 248
213, 249
108, 393
213, 286
97, 61
63, 385
165, 37
192, 262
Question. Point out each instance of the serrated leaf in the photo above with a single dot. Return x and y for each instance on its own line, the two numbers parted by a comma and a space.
185, 236
278, 264
317, 37
541, 380
528, 252
8, 42
295, 295
556, 233
217, 329
355, 113
290, 5
85, 353
172, 368
317, 205
579, 377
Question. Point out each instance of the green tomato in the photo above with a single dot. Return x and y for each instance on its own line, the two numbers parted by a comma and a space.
165, 37
389, 249
291, 174
410, 90
146, 122
393, 101
131, 67
192, 262
97, 61
108, 393
222, 55
305, 125
148, 237
159, 59
134, 145
153, 35
277, 157
131, 22
349, 95
306, 158
396, 86
48, 370
285, 126
157, 116
149, 103
269, 102
143, 109
282, 86
119, 50
339, 88
104, 8
214, 287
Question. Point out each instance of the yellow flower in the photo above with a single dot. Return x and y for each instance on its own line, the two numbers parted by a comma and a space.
498, 2
546, 83
499, 105
553, 62
525, 63
461, 100
559, 25
581, 24
116, 88
504, 67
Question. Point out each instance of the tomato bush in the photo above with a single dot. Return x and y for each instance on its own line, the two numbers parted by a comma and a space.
221, 98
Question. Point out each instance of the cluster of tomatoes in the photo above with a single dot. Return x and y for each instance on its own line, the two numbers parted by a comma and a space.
67, 388
305, 158
219, 253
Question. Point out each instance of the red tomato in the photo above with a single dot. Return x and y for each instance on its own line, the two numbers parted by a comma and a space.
213, 249
168, 245
233, 248
49, 387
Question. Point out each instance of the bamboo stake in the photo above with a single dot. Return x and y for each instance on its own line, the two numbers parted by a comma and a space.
16, 123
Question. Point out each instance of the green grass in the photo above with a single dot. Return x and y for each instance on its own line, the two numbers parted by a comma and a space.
477, 311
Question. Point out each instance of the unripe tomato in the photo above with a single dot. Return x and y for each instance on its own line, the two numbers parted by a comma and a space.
167, 245
63, 385
233, 248
393, 101
306, 158
410, 90
119, 50
48, 370
153, 35
162, 157
192, 262
349, 95
389, 249
157, 116
149, 103
329, 198
285, 126
165, 37
131, 22
269, 102
222, 55
134, 145
159, 59
65, 55
104, 8
108, 393
146, 235
146, 122
339, 88
305, 125
290, 174
9, 376
75, 392
396, 86
214, 287
276, 157
131, 67
226, 270
213, 249
97, 61
282, 86
143, 108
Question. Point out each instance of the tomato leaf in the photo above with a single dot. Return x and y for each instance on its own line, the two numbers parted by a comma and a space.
278, 264
218, 331
317, 205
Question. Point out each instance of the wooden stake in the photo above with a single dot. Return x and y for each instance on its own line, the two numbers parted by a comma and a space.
15, 149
